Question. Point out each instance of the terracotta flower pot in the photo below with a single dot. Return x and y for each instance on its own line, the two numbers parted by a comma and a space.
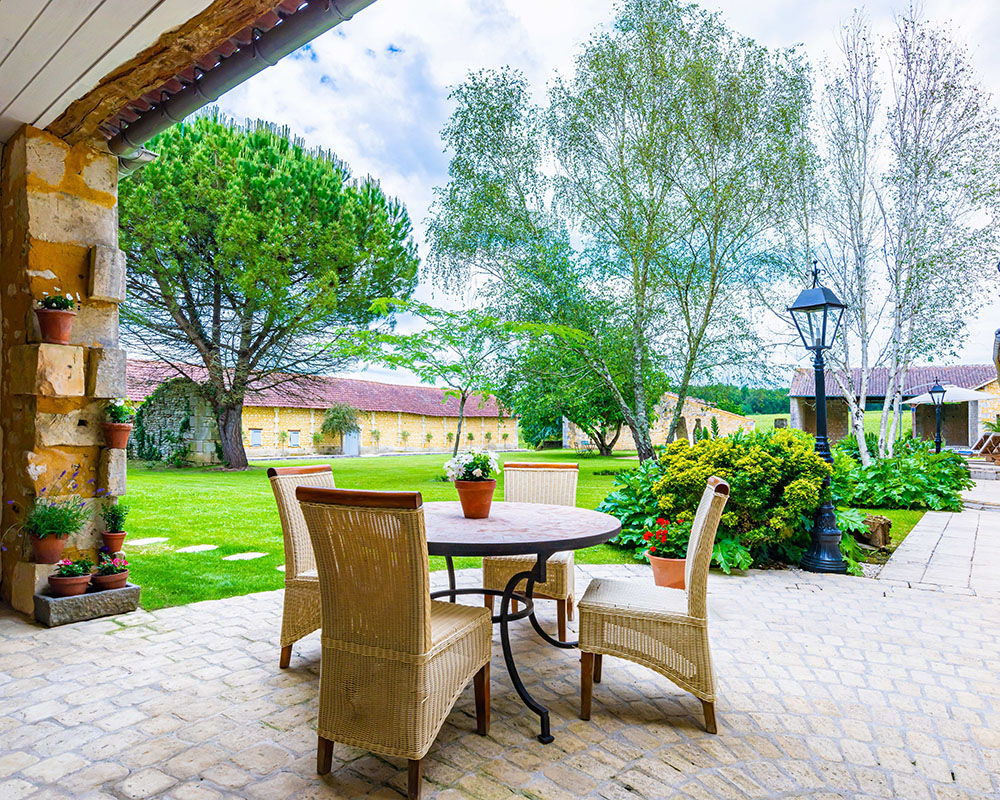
55, 325
113, 540
668, 572
476, 497
68, 587
116, 434
102, 582
47, 549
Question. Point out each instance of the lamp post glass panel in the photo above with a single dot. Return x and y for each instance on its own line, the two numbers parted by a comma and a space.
937, 397
817, 313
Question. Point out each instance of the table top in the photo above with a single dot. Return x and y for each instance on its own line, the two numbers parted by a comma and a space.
514, 529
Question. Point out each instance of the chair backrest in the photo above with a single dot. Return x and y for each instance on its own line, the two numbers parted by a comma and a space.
699, 551
552, 483
374, 580
284, 482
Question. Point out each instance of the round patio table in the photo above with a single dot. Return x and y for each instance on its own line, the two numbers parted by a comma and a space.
515, 529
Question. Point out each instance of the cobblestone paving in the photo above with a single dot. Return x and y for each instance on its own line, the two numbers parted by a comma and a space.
956, 553
830, 687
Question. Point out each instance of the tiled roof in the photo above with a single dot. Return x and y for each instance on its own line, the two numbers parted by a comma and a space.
918, 380
321, 392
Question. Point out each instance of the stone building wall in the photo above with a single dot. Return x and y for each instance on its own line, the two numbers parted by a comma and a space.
695, 415
59, 223
176, 424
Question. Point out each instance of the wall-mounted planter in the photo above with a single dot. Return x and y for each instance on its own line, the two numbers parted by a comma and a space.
55, 325
116, 434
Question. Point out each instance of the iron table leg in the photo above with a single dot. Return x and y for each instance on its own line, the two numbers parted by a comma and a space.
451, 577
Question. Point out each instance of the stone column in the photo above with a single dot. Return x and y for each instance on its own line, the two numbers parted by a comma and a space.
59, 223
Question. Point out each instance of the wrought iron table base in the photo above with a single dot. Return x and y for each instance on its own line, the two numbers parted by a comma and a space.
505, 617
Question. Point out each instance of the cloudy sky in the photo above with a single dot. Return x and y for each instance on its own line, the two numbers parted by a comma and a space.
375, 89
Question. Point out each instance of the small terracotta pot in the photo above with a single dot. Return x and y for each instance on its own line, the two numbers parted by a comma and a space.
668, 572
476, 497
116, 434
113, 540
68, 587
102, 582
55, 325
47, 549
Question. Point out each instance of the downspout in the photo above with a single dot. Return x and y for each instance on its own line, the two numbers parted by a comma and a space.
266, 50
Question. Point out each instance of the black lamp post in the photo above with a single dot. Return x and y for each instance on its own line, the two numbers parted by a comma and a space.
817, 313
937, 397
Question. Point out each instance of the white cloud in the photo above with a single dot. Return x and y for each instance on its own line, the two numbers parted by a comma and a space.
374, 90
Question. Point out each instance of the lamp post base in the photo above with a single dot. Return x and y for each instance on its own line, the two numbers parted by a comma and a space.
824, 552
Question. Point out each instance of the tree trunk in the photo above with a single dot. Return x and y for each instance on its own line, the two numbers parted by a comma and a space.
461, 418
605, 447
230, 421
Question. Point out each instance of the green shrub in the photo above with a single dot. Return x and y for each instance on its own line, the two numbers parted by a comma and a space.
632, 501
914, 478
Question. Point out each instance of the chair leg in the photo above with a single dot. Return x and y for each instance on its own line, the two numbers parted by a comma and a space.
413, 786
571, 608
709, 709
598, 663
481, 682
561, 616
586, 683
324, 756
488, 602
513, 605
286, 657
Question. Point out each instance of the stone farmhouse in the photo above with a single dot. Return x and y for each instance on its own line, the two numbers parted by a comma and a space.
285, 419
961, 423
695, 416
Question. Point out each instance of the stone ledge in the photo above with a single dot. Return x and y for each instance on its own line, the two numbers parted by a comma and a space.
53, 611
54, 370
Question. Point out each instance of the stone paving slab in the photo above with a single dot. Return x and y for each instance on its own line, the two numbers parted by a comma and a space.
830, 687
957, 553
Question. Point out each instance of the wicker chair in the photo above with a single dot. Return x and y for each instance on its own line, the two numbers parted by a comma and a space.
538, 483
394, 661
663, 629
300, 610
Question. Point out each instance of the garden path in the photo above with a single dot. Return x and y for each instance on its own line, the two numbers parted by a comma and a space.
955, 553
984, 496
829, 687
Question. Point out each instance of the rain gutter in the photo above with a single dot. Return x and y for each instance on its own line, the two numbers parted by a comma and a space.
266, 49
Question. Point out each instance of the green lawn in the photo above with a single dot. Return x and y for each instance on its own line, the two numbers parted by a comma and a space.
236, 511
766, 421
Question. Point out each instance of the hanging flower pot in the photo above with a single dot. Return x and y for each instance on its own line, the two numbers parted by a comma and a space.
476, 497
47, 549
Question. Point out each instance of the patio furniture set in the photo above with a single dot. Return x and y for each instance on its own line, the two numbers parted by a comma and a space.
396, 657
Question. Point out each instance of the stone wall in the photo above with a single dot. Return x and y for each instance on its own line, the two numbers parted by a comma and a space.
59, 223
176, 424
803, 416
695, 415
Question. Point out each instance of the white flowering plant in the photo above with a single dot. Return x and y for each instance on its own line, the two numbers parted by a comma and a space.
472, 465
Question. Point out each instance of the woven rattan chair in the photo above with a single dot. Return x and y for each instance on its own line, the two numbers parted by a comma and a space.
663, 629
300, 610
394, 661
550, 483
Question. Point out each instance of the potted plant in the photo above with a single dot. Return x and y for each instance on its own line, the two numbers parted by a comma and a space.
50, 522
71, 578
667, 551
472, 472
114, 516
112, 573
55, 317
120, 414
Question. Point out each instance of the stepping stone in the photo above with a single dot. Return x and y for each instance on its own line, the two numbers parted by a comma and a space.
281, 568
197, 548
151, 540
243, 556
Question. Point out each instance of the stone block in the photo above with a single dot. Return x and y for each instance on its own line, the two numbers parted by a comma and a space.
47, 369
106, 375
107, 274
76, 427
61, 217
28, 580
52, 611
96, 326
112, 472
